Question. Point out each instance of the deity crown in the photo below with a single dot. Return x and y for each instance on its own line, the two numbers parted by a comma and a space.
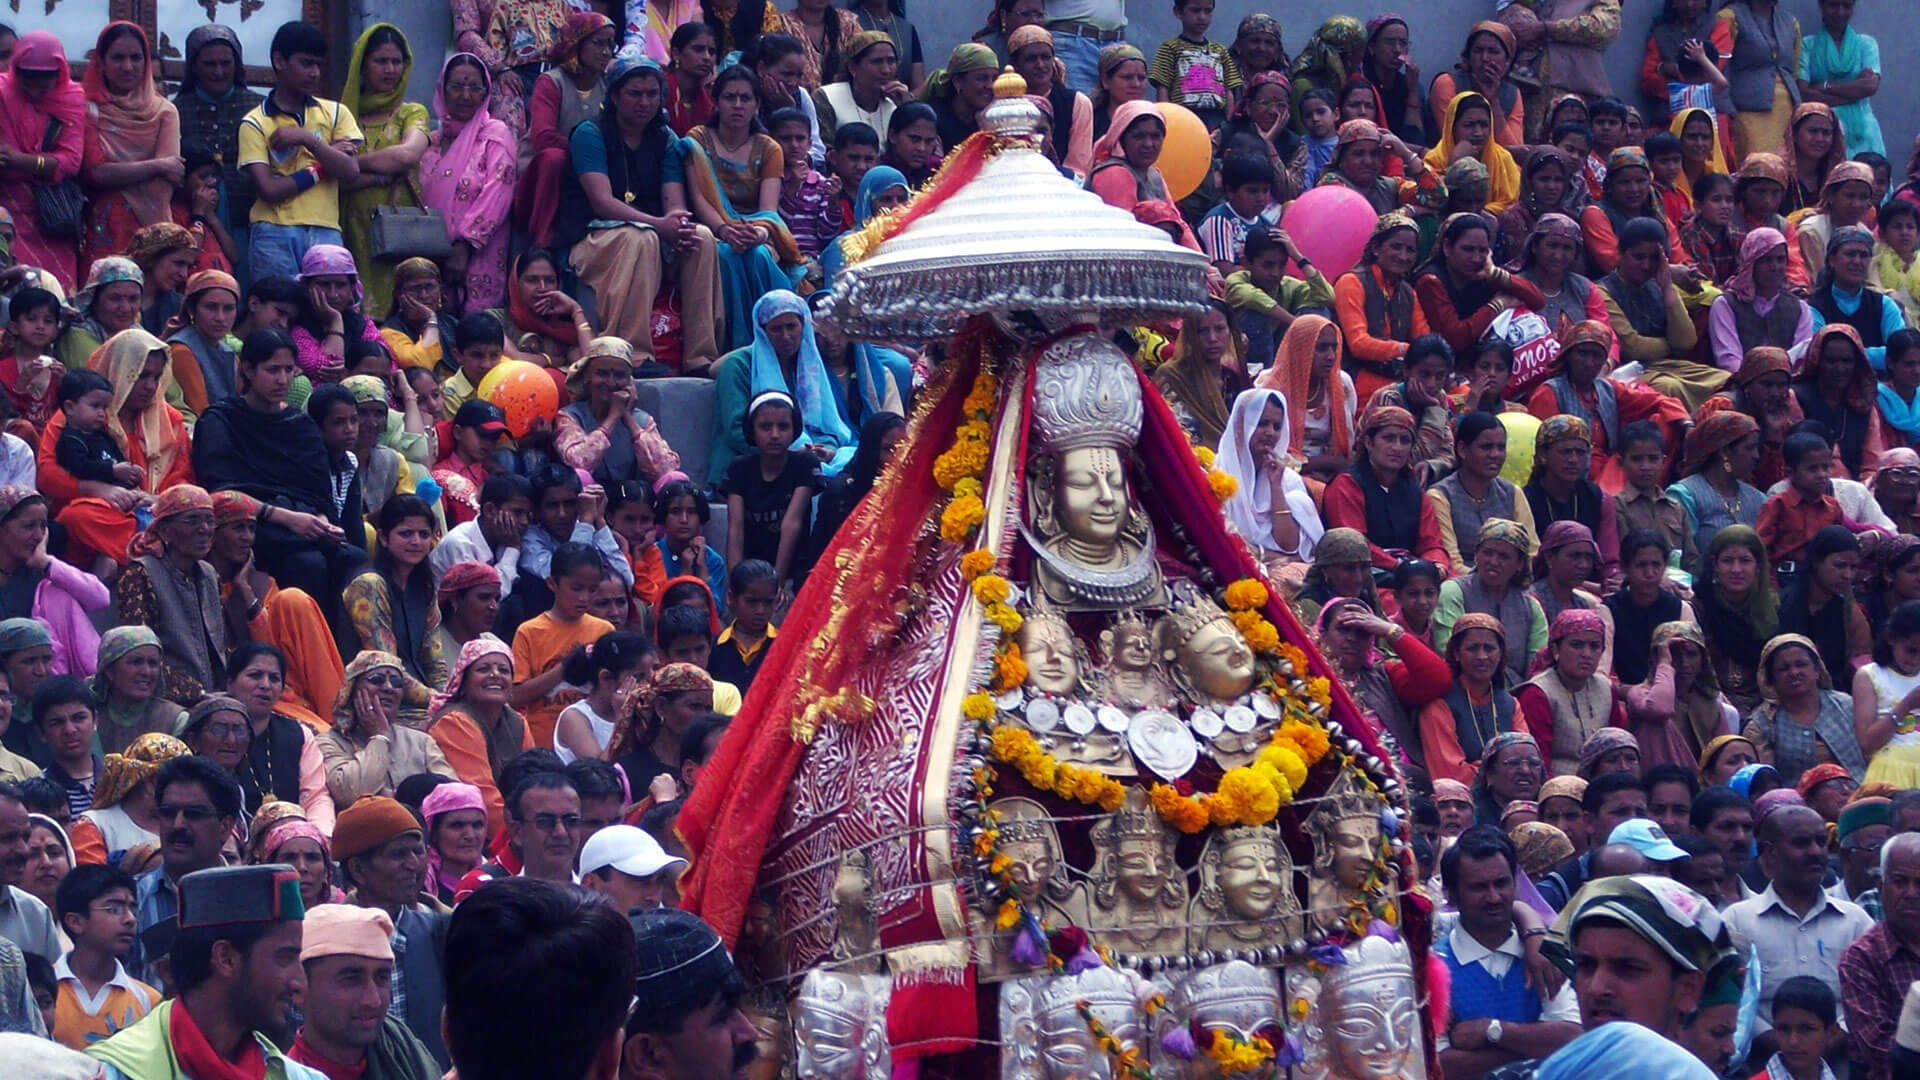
1086, 394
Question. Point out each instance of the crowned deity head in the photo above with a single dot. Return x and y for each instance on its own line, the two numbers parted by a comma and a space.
1246, 889
1052, 653
839, 1026
1363, 1019
1235, 997
1346, 834
1131, 674
1028, 837
1139, 891
1209, 658
1046, 1038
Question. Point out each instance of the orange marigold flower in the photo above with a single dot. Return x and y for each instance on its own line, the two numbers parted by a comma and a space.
1009, 670
1223, 485
1246, 595
991, 589
976, 562
961, 517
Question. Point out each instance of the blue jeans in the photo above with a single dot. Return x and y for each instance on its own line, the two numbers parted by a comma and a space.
275, 250
1082, 57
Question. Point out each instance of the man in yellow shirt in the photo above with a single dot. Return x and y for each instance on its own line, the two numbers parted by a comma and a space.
297, 149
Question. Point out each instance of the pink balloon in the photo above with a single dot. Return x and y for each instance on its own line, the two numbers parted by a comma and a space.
1330, 224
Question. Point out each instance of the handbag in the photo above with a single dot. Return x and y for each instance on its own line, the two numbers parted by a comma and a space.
398, 233
61, 207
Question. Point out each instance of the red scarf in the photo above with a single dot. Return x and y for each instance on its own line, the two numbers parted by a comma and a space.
200, 1060
520, 305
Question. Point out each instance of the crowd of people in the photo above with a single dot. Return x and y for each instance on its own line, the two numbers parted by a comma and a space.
281, 586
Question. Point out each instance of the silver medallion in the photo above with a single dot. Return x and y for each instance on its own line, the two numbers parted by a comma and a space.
1206, 723
1112, 718
1043, 714
1079, 719
1242, 719
1162, 743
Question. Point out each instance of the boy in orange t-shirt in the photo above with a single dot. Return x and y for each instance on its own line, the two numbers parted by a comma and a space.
97, 999
542, 643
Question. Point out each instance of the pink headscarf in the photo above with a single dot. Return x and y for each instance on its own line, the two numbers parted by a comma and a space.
293, 829
24, 121
440, 181
1123, 118
447, 798
1574, 621
472, 651
1755, 244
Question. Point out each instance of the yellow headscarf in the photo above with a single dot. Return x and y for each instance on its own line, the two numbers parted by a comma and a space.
121, 359
362, 104
1717, 163
1503, 173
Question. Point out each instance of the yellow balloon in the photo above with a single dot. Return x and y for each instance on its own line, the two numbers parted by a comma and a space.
1187, 153
1521, 429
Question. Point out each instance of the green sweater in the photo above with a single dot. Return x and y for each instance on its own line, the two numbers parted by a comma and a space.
145, 1052
1296, 294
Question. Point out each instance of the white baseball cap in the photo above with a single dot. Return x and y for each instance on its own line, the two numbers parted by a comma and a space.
630, 850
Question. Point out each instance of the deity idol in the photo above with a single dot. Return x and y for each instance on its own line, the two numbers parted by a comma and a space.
1043, 1035
1040, 878
1092, 543
1139, 891
1246, 896
1067, 727
1345, 828
1235, 997
1363, 1018
1132, 676
1214, 670
840, 1027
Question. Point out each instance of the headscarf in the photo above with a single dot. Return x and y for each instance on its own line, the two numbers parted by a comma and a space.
13, 497
22, 633
1760, 165
1742, 780
365, 389
213, 34
1445, 790
152, 241
1714, 434
1563, 426
465, 147
1818, 775
820, 419
1381, 417
364, 662
1540, 158
1762, 360
1503, 173
1898, 459
1387, 224
674, 678
1291, 373
121, 773
1550, 224
446, 798
23, 121
331, 260
176, 500
1716, 161
1475, 620
600, 348
1778, 798
1514, 535
121, 360
1846, 172
1541, 847
1517, 806
1785, 641
1755, 244
1259, 23
1250, 509
111, 270
1623, 1049
360, 102
1860, 394
1602, 742
966, 56
706, 591
1561, 534
230, 507
1738, 628
1706, 684
1562, 787
1573, 621
1113, 56
1125, 117
202, 280
213, 704
580, 26
1836, 153
128, 126
115, 644
1339, 547
1500, 744
1257, 80
471, 652
298, 828
1324, 51
878, 181
467, 574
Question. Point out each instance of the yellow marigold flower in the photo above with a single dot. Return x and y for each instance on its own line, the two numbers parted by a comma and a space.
1286, 761
1009, 916
1299, 1009
978, 707
1204, 455
1007, 619
1292, 654
1223, 485
1320, 690
961, 517
976, 562
1112, 796
1262, 637
991, 589
999, 865
967, 485
1246, 595
1245, 621
1040, 771
975, 431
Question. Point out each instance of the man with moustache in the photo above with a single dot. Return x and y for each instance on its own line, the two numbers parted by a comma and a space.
24, 920
1496, 1017
236, 965
196, 803
383, 854
686, 1022
1877, 970
348, 1035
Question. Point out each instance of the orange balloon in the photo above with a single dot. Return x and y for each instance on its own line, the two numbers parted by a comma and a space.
523, 391
1187, 153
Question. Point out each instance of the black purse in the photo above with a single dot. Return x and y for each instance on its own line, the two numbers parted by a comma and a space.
62, 207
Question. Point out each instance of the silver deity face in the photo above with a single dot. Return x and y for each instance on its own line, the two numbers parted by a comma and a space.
1373, 1028
1092, 501
1218, 661
1251, 875
1053, 664
1068, 1050
1354, 842
1140, 866
1235, 997
833, 1032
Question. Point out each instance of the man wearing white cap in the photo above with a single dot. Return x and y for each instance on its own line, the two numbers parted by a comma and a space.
348, 1034
628, 867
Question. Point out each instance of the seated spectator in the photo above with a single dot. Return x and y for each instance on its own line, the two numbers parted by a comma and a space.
1578, 391
1759, 189
166, 254
63, 709
1468, 133
456, 820
1453, 731
1846, 199
1030, 49
1422, 391
753, 595
809, 202
1564, 576
542, 643
1896, 255
492, 539
283, 759
368, 750
203, 353
1460, 289
1380, 495
783, 343
1818, 601
1562, 485
1271, 508
131, 688
648, 734
297, 198
170, 587
393, 605
1804, 722
1642, 603
1475, 492
108, 303
605, 669
1544, 175
769, 495
468, 173
1266, 300
474, 722
1710, 240
331, 316
1248, 182
913, 138
1376, 305
566, 94
560, 516
1497, 586
601, 385
1124, 173
1393, 691
1357, 164
1650, 320
628, 149
1836, 388
97, 997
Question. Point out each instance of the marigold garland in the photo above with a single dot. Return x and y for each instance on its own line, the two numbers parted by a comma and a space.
976, 562
1246, 595
992, 589
1240, 1056
961, 517
1223, 484
1126, 1059
1018, 748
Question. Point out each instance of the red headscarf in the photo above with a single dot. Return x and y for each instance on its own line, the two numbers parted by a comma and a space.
23, 120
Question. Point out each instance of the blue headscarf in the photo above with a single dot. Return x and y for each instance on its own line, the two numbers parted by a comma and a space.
879, 179
1623, 1048
820, 420
1742, 781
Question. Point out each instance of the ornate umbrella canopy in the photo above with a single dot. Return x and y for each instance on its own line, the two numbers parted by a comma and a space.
1018, 237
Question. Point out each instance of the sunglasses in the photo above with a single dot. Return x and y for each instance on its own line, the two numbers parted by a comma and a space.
395, 680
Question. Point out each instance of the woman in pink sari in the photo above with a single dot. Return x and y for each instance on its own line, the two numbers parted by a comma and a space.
38, 98
468, 175
132, 162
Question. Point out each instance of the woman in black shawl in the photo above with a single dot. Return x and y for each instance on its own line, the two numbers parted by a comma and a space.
1819, 603
1738, 610
256, 443
1641, 604
1388, 65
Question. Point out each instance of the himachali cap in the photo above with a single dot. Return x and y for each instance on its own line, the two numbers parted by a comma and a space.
240, 895
683, 962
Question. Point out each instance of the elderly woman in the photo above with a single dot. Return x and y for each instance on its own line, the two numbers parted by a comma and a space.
1456, 729
647, 739
1761, 390
1378, 312
258, 609
1604, 406
1609, 750
603, 431
456, 817
54, 597
1357, 164
1896, 487
1573, 697
1804, 721
149, 433
108, 303
130, 688
1380, 496
283, 755
1497, 587
1846, 200
1342, 566
1562, 488
467, 172
1679, 710
368, 751
280, 833
1270, 507
170, 587
1754, 307
1485, 63
1393, 692
1512, 767
477, 729
1837, 387
123, 815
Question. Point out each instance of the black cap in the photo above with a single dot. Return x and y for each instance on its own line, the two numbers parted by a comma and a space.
484, 415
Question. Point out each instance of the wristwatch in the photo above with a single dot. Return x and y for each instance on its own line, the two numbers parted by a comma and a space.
1493, 1033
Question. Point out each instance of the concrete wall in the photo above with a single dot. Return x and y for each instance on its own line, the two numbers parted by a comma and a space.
1439, 27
